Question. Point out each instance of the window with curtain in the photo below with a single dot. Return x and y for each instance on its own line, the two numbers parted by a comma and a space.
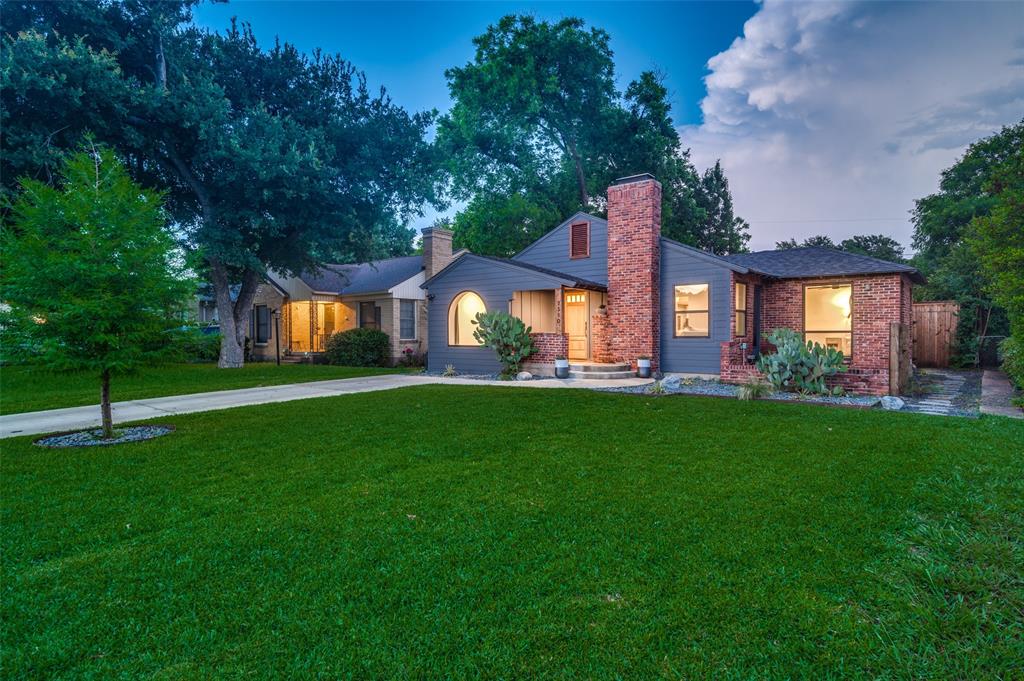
693, 311
407, 320
828, 316
262, 322
464, 309
369, 315
741, 309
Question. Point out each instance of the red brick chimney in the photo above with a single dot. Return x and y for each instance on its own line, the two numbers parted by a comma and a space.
634, 268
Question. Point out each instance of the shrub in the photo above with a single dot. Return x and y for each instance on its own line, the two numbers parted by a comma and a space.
359, 348
193, 345
754, 389
449, 370
410, 358
1011, 354
796, 365
507, 336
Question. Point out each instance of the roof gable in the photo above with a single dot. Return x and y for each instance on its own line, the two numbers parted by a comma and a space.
575, 217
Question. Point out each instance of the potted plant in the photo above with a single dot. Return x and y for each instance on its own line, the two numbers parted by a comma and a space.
643, 366
561, 367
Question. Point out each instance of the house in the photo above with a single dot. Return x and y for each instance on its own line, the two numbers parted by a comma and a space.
605, 292
294, 315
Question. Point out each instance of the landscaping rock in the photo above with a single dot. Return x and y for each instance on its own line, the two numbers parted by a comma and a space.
94, 438
892, 403
524, 376
671, 382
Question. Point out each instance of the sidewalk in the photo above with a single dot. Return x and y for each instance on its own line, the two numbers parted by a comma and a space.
76, 418
996, 392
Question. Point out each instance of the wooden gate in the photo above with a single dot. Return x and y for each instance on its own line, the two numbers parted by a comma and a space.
934, 332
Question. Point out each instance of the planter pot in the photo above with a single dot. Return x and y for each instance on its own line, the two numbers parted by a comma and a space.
561, 368
643, 368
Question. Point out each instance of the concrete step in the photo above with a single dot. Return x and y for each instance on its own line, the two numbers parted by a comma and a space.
601, 368
602, 375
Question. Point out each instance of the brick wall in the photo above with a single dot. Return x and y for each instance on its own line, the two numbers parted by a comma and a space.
634, 264
877, 301
269, 295
549, 346
601, 338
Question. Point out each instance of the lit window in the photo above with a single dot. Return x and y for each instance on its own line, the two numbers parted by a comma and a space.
741, 309
828, 313
407, 321
692, 311
461, 315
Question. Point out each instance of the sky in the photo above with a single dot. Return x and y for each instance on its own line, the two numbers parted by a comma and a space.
829, 118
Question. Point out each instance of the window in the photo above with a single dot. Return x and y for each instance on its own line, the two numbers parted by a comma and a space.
369, 315
692, 311
262, 320
741, 309
464, 309
407, 320
579, 240
828, 313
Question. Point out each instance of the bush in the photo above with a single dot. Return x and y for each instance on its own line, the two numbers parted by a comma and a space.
193, 345
796, 365
507, 336
1011, 354
754, 389
359, 348
410, 358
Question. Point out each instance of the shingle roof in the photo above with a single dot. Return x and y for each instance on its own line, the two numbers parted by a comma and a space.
576, 281
812, 261
368, 277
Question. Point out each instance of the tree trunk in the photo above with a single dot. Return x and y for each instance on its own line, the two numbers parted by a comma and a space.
233, 315
108, 419
581, 179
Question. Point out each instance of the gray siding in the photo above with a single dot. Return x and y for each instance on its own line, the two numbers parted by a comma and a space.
552, 251
494, 283
693, 355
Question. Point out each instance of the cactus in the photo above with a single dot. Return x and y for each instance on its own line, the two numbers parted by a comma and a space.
507, 336
800, 366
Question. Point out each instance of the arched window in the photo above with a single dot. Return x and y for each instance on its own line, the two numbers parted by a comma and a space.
461, 314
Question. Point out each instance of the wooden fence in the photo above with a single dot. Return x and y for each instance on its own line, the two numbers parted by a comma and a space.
934, 332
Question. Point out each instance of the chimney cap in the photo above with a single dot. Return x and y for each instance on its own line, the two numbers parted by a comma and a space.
642, 177
430, 230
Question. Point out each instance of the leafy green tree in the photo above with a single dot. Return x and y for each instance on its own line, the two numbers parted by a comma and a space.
538, 131
272, 159
723, 231
942, 227
873, 245
91, 276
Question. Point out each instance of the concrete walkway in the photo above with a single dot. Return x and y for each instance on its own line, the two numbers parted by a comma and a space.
76, 418
996, 392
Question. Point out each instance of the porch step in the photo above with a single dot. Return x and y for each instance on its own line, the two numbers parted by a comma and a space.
601, 375
600, 368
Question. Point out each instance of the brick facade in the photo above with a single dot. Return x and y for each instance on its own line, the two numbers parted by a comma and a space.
600, 338
549, 346
634, 266
878, 300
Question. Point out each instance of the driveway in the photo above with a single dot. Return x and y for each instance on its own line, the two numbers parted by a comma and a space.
75, 418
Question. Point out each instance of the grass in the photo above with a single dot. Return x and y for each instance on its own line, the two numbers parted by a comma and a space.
466, 532
25, 389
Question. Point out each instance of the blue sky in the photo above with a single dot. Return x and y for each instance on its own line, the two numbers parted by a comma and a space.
407, 46
829, 117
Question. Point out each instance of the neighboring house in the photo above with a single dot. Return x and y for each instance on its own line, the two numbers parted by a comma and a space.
384, 294
611, 291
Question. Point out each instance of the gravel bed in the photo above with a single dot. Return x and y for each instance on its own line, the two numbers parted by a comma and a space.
94, 438
714, 388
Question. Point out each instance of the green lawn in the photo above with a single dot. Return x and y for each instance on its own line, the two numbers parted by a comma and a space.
32, 389
467, 532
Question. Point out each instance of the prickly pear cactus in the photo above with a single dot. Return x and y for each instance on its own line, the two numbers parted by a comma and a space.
798, 365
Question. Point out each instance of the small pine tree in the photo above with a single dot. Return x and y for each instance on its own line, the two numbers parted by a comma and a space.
90, 276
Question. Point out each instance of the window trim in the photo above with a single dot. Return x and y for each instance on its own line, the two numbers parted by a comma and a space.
847, 359
572, 226
676, 313
256, 325
737, 311
448, 318
401, 336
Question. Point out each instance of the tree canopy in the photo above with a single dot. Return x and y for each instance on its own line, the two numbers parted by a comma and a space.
91, 276
875, 245
538, 131
273, 159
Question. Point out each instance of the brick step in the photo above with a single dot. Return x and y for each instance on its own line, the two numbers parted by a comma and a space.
602, 375
600, 368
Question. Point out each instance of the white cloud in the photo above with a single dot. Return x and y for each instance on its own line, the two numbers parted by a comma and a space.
829, 116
